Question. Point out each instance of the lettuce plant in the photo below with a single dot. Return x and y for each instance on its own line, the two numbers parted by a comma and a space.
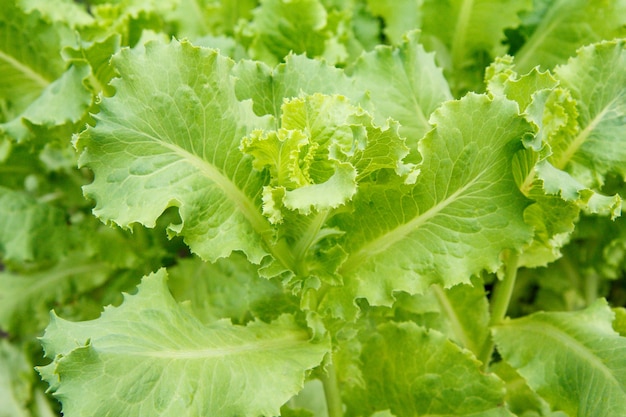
312, 208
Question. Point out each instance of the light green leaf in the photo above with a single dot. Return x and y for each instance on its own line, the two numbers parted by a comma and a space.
98, 55
416, 372
197, 18
558, 182
16, 381
554, 110
29, 56
229, 288
520, 399
323, 146
177, 146
297, 76
553, 220
467, 35
575, 360
150, 356
597, 81
461, 313
64, 11
558, 28
405, 84
61, 105
29, 230
400, 16
282, 27
454, 222
26, 298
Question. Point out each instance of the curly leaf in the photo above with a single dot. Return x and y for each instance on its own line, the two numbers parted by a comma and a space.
464, 209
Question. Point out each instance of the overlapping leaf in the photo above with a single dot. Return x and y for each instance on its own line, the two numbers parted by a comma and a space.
461, 313
151, 357
414, 85
298, 75
462, 212
575, 360
415, 372
281, 27
556, 29
467, 35
29, 56
29, 230
598, 84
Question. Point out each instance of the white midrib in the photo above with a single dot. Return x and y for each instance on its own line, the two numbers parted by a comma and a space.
388, 239
234, 194
289, 341
35, 77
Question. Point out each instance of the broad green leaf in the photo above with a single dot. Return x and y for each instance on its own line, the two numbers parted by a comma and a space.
98, 55
61, 105
29, 230
197, 18
461, 313
29, 56
229, 288
597, 81
16, 381
405, 84
400, 16
558, 28
520, 399
467, 35
26, 298
69, 12
150, 356
575, 360
454, 222
553, 220
177, 146
298, 75
281, 27
417, 372
554, 111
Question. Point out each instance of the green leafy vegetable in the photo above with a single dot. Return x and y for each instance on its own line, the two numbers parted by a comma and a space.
312, 208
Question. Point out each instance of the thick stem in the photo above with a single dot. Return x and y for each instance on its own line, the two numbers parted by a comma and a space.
500, 303
331, 391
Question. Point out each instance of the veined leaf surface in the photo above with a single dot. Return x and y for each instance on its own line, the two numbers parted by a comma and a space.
575, 360
463, 211
405, 367
151, 356
170, 137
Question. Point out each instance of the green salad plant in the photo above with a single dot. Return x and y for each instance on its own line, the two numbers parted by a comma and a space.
312, 208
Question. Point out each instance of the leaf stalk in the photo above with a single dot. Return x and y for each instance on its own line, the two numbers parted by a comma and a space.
500, 301
331, 391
